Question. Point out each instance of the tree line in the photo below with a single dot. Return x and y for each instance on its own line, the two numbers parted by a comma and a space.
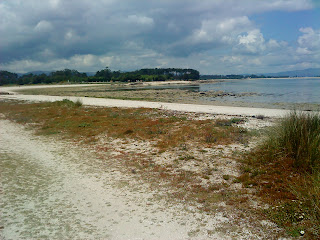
104, 75
147, 74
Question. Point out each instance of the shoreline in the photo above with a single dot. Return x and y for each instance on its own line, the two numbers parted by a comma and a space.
182, 107
176, 100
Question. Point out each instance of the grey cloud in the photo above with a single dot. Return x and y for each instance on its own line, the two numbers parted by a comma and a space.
40, 31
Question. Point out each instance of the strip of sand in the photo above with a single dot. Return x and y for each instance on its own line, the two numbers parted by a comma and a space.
225, 110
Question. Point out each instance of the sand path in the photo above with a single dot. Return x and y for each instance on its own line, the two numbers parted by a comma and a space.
55, 190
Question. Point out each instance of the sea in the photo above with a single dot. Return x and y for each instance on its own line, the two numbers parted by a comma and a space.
264, 90
268, 90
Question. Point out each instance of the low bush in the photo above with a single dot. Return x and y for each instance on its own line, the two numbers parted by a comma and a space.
285, 169
298, 137
69, 103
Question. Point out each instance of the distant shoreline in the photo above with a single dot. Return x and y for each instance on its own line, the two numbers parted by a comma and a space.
232, 79
174, 99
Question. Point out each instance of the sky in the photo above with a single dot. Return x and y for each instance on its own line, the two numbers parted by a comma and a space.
212, 36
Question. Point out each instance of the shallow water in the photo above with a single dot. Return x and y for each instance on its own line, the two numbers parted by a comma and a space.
288, 90
280, 90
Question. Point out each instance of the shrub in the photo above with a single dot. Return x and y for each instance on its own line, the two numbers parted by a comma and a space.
298, 137
69, 103
261, 117
78, 103
288, 173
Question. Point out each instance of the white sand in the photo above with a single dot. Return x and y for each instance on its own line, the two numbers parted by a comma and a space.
226, 110
56, 190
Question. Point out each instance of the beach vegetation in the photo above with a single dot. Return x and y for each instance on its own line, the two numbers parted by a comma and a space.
88, 123
260, 116
286, 171
165, 131
68, 103
186, 144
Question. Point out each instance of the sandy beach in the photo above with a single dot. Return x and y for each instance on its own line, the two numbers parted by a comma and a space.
72, 194
79, 191
199, 108
160, 120
63, 189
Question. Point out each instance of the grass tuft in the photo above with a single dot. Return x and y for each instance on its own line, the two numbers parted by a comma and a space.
68, 103
298, 137
286, 172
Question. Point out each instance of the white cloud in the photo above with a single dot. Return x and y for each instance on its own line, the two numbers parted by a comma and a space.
232, 59
287, 5
54, 3
79, 62
43, 26
221, 30
273, 44
303, 51
310, 40
253, 42
140, 20
308, 50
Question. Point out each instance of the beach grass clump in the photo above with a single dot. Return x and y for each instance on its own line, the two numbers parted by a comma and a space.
285, 170
298, 137
69, 103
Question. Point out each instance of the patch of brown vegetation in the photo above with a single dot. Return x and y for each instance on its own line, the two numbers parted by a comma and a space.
291, 193
186, 157
88, 123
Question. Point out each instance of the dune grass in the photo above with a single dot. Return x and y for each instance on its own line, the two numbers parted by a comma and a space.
164, 128
285, 170
298, 137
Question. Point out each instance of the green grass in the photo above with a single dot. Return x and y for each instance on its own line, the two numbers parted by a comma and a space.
286, 171
298, 137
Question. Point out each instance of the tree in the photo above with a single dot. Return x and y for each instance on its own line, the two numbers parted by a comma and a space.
8, 78
105, 74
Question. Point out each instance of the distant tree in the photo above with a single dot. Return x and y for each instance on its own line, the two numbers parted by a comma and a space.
67, 75
170, 73
104, 74
40, 78
8, 78
26, 79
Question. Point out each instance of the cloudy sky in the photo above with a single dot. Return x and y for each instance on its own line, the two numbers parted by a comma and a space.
213, 36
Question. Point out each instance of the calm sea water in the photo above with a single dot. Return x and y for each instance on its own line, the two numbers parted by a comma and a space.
288, 90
